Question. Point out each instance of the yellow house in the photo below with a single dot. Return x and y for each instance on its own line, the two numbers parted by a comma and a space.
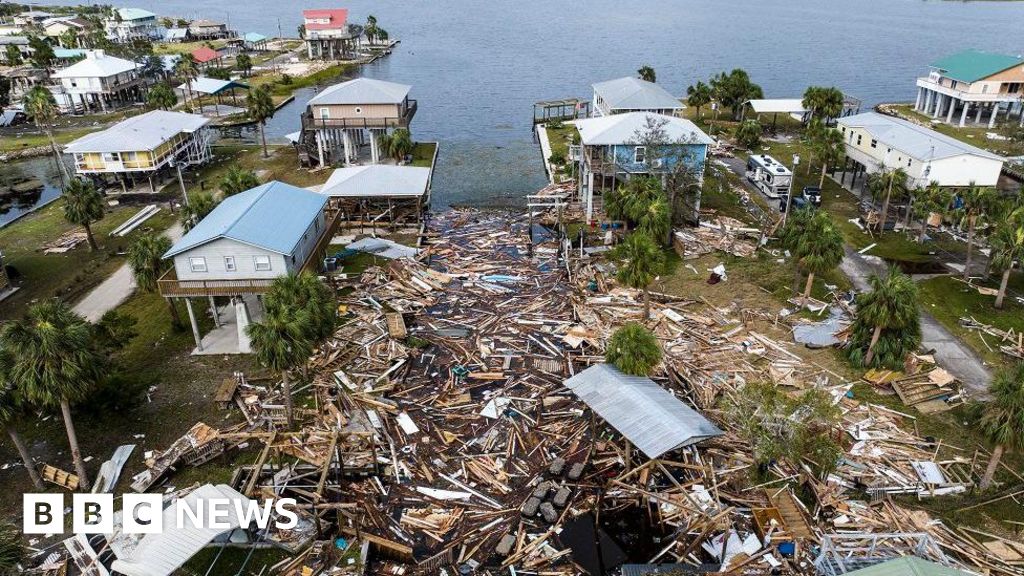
143, 145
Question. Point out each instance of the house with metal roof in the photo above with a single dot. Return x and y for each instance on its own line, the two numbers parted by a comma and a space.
348, 118
971, 84
873, 141
207, 57
101, 82
208, 29
631, 94
246, 242
616, 147
149, 145
379, 192
328, 34
55, 28
653, 419
254, 41
19, 42
132, 23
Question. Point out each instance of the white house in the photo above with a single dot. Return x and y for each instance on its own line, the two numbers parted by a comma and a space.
101, 81
633, 95
132, 23
875, 140
972, 84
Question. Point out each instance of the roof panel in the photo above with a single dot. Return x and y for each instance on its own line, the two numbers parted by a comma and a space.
918, 141
96, 65
651, 418
635, 94
143, 132
974, 65
377, 180
626, 128
363, 91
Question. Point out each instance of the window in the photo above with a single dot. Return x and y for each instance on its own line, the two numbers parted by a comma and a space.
359, 110
325, 113
262, 263
229, 263
640, 154
858, 139
909, 162
197, 264
874, 143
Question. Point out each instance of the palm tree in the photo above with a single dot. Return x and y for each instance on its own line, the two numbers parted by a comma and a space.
698, 95
55, 362
734, 90
161, 96
261, 109
187, 69
398, 144
280, 343
12, 550
647, 73
643, 262
892, 182
145, 258
656, 220
305, 295
10, 410
244, 63
823, 103
975, 202
891, 305
237, 180
68, 38
633, 349
83, 205
829, 148
820, 248
748, 134
13, 55
1007, 244
932, 199
41, 106
1002, 420
199, 206
371, 28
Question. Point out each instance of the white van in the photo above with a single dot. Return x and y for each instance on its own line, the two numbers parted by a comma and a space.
769, 175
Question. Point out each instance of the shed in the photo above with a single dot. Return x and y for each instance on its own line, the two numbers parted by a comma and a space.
649, 416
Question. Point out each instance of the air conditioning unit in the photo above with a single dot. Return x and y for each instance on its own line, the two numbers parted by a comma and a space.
657, 163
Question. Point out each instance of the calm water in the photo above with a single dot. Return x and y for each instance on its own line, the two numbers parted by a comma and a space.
42, 169
477, 67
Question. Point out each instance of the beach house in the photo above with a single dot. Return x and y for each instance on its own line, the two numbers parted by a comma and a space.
127, 24
328, 34
100, 81
973, 85
633, 95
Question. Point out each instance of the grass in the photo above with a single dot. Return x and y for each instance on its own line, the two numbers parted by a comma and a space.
423, 154
281, 165
972, 134
948, 299
22, 141
186, 47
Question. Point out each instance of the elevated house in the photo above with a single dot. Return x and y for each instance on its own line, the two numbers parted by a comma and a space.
873, 141
630, 94
347, 118
11, 29
148, 146
128, 24
55, 28
246, 242
101, 82
328, 34
19, 42
254, 42
397, 195
208, 30
972, 85
615, 148
31, 18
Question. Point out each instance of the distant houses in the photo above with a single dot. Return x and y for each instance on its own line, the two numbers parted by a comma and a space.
344, 123
128, 24
873, 141
328, 35
101, 82
142, 147
208, 30
972, 86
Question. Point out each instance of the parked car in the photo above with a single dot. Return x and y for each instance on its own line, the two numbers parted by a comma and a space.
798, 202
812, 194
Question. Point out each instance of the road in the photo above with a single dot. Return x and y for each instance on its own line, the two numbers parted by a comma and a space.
116, 288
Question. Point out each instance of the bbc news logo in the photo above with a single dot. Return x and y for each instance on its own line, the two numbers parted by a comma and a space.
144, 513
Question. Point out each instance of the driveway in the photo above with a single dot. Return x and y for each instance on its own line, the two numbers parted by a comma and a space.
116, 288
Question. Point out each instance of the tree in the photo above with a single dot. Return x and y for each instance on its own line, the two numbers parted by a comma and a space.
371, 28
748, 134
973, 204
1003, 418
42, 53
187, 69
1007, 243
161, 96
829, 149
643, 262
153, 67
889, 183
199, 205
55, 363
306, 296
40, 105
698, 96
647, 73
633, 349
301, 30
734, 90
244, 63
237, 180
5, 92
69, 38
820, 248
11, 404
12, 550
888, 322
823, 103
280, 342
261, 108
932, 199
13, 55
145, 258
83, 205
398, 144
655, 220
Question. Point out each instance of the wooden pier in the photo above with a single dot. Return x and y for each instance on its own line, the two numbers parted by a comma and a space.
558, 110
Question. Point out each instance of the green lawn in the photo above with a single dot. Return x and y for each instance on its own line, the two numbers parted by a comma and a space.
186, 47
423, 154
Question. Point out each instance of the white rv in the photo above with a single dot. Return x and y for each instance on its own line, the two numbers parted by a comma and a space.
769, 175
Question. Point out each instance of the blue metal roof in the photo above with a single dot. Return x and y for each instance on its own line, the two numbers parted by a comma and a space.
254, 37
273, 216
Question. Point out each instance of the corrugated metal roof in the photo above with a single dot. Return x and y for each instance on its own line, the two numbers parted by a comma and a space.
163, 553
214, 86
921, 143
384, 248
143, 132
134, 14
649, 416
254, 37
631, 93
96, 65
363, 91
625, 128
778, 105
377, 180
974, 65
645, 569
273, 216
908, 566
205, 54
337, 17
